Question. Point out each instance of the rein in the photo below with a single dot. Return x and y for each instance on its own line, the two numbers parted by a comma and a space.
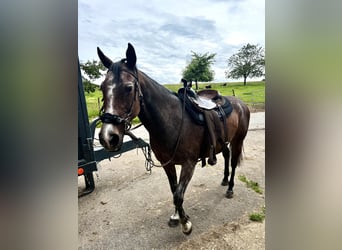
178, 140
179, 135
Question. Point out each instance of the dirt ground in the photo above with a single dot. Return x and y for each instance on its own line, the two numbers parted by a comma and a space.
129, 207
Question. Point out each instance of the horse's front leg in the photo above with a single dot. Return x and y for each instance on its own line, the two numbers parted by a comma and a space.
171, 173
178, 196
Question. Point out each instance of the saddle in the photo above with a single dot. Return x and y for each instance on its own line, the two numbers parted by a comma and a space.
207, 108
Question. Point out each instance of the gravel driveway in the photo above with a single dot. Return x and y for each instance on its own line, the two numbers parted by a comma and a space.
129, 208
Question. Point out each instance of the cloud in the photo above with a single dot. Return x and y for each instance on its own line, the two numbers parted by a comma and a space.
164, 34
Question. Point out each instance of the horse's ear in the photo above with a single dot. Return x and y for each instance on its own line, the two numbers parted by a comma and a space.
185, 83
105, 60
131, 56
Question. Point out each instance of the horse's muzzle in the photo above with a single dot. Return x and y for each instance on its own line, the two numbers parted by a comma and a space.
110, 138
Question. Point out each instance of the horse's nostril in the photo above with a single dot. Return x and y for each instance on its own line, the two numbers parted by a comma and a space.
114, 140
109, 140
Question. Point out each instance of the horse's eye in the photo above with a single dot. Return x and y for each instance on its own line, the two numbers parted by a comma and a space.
128, 88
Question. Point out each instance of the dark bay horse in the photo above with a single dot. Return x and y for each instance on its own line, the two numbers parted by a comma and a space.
175, 139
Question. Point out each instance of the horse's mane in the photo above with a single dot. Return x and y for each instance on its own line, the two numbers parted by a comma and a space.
116, 68
158, 85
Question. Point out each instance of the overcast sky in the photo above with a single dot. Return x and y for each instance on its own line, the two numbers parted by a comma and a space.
164, 33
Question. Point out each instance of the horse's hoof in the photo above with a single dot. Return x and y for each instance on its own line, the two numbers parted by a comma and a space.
173, 223
187, 228
229, 194
224, 183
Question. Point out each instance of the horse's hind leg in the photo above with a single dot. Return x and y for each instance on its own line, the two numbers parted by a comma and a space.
226, 155
178, 197
171, 173
236, 155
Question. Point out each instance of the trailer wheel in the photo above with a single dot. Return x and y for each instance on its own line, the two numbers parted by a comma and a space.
89, 184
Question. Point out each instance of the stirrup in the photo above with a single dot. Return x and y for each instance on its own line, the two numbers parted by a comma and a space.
212, 157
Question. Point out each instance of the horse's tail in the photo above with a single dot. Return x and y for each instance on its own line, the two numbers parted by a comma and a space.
241, 154
245, 118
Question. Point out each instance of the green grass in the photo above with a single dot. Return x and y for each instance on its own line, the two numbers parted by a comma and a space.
258, 217
94, 103
251, 184
253, 94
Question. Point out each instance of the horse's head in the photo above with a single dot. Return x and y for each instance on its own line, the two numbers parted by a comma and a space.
121, 98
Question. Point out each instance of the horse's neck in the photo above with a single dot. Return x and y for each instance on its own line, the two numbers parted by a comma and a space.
159, 105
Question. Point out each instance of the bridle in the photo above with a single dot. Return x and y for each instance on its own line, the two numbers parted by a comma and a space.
116, 119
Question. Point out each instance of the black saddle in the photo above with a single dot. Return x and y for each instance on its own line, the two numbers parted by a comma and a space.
196, 103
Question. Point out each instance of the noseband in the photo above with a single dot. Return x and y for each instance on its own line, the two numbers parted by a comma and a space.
116, 119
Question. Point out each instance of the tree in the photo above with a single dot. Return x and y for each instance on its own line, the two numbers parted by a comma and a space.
92, 71
248, 62
199, 68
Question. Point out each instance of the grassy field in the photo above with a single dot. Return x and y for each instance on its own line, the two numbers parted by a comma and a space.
253, 94
94, 103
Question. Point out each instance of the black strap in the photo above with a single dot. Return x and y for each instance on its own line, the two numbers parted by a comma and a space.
109, 118
224, 123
